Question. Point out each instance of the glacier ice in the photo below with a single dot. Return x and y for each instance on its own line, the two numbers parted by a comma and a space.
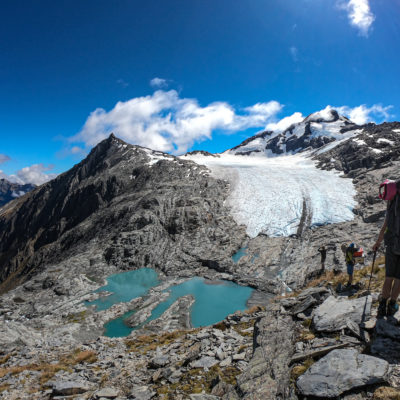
270, 195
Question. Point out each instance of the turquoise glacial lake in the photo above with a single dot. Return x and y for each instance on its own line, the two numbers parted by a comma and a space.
214, 300
124, 287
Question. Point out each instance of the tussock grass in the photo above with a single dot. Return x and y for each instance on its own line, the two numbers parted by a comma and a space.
386, 393
49, 370
198, 380
300, 369
145, 343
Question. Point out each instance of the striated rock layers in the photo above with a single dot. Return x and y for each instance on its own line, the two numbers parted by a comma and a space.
132, 206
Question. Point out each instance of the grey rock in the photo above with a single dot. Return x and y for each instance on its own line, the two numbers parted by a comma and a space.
142, 393
267, 374
340, 371
68, 388
238, 357
226, 362
387, 349
159, 361
386, 329
333, 313
107, 392
204, 362
203, 397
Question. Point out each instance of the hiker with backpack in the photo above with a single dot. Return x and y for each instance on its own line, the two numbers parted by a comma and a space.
390, 233
350, 262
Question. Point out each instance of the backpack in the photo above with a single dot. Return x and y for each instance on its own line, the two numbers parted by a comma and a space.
353, 252
392, 235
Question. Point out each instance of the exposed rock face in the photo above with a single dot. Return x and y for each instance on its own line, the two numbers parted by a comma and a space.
10, 191
267, 376
137, 207
340, 371
376, 146
333, 313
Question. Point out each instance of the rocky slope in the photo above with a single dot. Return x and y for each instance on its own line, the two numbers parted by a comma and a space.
131, 206
10, 191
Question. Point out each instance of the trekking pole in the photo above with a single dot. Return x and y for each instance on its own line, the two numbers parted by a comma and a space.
372, 270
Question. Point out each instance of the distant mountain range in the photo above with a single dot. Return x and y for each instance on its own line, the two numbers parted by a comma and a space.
10, 191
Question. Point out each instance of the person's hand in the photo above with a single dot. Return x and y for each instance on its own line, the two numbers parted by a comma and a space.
376, 246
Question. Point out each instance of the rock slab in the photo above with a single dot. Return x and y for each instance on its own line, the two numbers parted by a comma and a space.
332, 315
340, 371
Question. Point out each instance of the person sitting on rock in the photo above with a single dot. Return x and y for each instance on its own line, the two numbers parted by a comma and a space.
323, 251
390, 233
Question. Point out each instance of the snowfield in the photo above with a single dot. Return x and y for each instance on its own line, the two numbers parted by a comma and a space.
275, 195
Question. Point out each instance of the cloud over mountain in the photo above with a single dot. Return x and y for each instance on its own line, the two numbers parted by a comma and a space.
165, 121
36, 174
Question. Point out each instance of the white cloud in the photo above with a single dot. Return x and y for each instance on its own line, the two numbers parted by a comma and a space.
294, 52
363, 114
164, 121
359, 14
35, 174
159, 83
4, 158
284, 123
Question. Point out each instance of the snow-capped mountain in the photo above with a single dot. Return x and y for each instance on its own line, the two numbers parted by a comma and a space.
282, 188
315, 131
10, 191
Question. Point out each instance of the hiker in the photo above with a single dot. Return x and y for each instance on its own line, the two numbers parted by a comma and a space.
322, 250
390, 232
350, 262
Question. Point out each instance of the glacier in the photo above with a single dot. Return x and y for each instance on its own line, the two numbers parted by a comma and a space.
272, 195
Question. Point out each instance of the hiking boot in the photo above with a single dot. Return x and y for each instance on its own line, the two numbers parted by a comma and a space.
392, 308
382, 308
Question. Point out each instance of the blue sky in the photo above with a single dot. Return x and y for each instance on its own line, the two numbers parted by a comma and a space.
221, 70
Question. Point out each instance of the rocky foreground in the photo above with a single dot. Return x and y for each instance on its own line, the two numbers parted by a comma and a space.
313, 344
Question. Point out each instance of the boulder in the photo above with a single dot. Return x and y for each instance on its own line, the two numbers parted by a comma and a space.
340, 371
332, 315
142, 393
107, 392
204, 362
69, 388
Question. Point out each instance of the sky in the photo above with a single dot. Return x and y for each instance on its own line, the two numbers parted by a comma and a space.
182, 75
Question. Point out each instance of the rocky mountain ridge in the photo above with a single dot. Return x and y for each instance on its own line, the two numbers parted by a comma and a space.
315, 131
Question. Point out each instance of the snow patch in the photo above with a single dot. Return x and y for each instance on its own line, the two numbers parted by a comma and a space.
383, 140
270, 195
360, 142
156, 156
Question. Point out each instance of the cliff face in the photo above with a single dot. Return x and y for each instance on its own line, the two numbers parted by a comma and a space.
138, 207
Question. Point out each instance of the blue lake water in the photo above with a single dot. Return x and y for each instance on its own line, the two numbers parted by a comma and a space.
213, 300
125, 287
239, 254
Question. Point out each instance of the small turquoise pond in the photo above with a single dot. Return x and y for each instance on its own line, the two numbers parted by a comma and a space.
125, 287
239, 254
213, 300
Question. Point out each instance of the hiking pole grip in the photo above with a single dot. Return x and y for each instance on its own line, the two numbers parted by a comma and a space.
372, 270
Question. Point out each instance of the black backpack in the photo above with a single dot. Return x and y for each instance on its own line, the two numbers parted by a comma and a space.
393, 222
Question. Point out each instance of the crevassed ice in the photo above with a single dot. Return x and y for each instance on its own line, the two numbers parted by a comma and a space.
268, 194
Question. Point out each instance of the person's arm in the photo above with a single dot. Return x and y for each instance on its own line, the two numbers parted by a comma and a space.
380, 237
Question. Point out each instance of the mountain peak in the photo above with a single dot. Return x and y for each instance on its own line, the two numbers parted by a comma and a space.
315, 131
